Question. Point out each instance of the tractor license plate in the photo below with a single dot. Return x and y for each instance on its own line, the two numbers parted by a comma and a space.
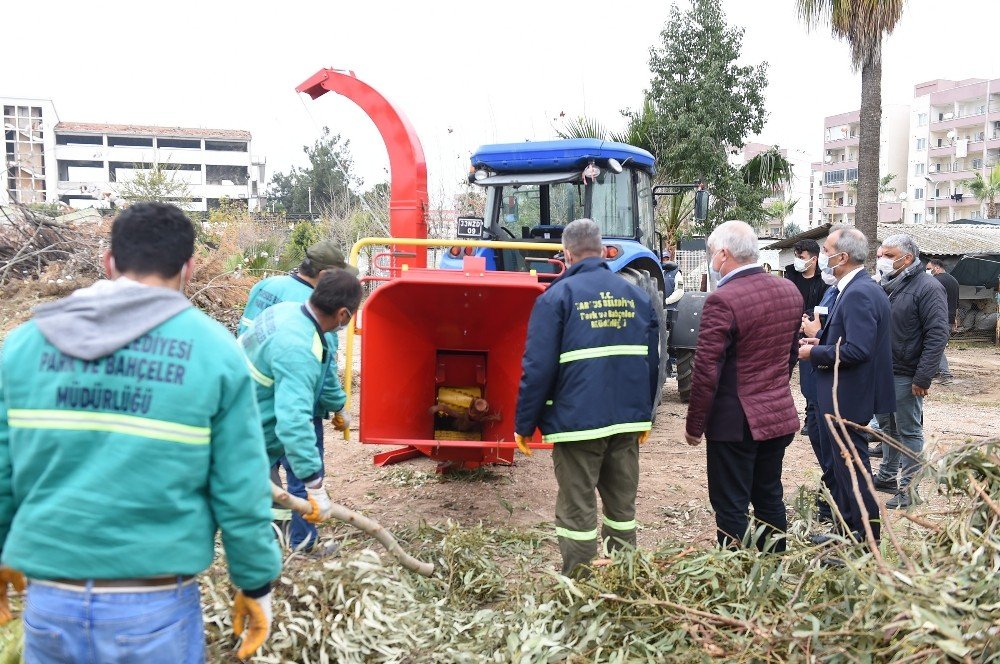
470, 228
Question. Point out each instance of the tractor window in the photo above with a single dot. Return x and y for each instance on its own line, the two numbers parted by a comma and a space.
611, 206
647, 214
531, 205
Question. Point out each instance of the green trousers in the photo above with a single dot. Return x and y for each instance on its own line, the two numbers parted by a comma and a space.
610, 465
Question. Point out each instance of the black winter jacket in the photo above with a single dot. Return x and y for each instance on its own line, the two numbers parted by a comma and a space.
591, 358
920, 327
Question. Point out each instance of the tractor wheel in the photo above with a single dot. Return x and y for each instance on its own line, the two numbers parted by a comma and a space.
685, 368
647, 283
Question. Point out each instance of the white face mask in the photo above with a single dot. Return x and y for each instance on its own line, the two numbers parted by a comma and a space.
800, 264
713, 274
826, 272
828, 278
929, 272
886, 267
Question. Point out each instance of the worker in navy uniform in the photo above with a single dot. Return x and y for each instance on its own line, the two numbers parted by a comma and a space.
589, 377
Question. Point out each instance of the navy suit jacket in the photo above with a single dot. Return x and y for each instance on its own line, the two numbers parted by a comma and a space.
861, 320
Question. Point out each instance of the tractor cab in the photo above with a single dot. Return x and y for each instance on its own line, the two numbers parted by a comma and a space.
534, 189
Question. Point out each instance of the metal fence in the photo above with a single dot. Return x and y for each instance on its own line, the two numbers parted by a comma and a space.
693, 266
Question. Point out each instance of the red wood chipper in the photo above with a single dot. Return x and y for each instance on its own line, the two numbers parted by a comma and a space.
440, 349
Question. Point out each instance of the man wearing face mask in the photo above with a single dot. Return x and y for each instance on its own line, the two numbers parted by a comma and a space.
859, 321
298, 287
129, 436
741, 401
951, 288
288, 357
920, 325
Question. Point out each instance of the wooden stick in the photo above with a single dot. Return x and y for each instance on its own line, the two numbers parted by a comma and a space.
369, 526
869, 535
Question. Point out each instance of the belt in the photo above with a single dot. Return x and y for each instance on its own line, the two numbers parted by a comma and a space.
119, 585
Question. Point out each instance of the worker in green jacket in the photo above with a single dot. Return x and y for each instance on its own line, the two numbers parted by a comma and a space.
129, 436
297, 287
288, 357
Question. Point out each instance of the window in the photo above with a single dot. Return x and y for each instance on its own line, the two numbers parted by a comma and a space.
921, 144
918, 169
178, 143
922, 119
977, 164
917, 217
226, 174
75, 139
833, 177
918, 194
129, 141
852, 174
80, 171
647, 213
226, 146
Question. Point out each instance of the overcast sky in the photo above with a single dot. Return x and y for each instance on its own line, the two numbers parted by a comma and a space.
465, 73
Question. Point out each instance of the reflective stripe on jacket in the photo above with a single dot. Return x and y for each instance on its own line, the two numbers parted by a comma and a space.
591, 359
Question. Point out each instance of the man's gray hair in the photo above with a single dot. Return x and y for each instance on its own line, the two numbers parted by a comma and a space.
738, 237
851, 241
582, 237
904, 243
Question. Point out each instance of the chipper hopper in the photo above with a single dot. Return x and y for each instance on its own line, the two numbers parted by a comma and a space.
441, 357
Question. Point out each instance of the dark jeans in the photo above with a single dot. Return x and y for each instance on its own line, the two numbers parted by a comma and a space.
302, 534
907, 426
745, 472
843, 494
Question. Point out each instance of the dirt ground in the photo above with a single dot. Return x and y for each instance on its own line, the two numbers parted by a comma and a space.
673, 495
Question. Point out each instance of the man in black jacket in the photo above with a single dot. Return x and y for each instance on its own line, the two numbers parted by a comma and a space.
589, 378
950, 283
919, 336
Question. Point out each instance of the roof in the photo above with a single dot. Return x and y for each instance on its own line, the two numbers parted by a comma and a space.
150, 130
556, 155
933, 239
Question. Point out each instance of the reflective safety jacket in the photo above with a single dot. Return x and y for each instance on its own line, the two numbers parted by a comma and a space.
591, 360
292, 288
287, 354
125, 464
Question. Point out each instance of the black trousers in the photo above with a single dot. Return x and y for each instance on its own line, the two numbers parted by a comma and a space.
743, 473
843, 494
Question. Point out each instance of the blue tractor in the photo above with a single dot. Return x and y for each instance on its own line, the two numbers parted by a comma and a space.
534, 189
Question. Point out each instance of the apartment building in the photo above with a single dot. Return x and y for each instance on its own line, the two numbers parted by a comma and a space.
954, 134
88, 165
839, 168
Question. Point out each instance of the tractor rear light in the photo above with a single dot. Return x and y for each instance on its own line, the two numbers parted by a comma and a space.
612, 252
470, 251
455, 252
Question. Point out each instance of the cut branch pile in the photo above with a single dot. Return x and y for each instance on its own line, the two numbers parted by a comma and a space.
32, 243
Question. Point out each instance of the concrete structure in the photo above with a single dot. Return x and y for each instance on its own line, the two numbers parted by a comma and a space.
87, 165
841, 135
815, 194
954, 133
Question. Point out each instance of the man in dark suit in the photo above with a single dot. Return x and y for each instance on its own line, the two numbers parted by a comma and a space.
740, 395
860, 321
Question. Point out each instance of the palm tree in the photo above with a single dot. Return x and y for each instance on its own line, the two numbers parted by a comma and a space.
863, 25
884, 186
987, 189
778, 211
768, 170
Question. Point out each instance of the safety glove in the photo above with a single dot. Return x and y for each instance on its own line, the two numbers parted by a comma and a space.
643, 437
341, 420
9, 577
251, 620
522, 444
320, 501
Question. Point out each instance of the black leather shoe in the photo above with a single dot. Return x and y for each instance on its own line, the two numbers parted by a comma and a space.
875, 451
832, 562
886, 486
819, 540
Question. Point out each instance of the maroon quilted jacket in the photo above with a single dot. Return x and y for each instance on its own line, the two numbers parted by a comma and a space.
749, 329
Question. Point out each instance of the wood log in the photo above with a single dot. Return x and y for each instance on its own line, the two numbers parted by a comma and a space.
369, 526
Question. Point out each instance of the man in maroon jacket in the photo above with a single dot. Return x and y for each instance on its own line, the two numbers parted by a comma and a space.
740, 395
